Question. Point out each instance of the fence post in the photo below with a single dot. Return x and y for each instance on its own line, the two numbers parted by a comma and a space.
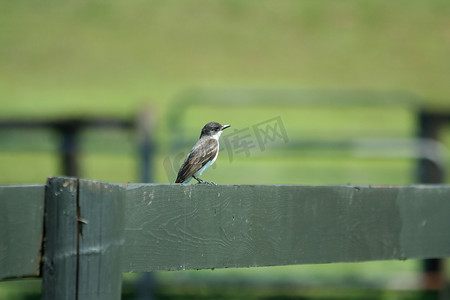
431, 172
83, 237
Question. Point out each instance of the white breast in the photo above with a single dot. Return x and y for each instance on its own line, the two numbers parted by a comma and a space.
209, 163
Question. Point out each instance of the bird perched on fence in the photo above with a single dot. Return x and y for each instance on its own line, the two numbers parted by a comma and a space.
203, 154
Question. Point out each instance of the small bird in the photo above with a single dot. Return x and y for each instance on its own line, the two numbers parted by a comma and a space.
203, 154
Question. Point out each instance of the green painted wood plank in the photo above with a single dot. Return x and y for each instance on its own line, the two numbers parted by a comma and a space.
21, 223
84, 236
102, 212
174, 227
60, 260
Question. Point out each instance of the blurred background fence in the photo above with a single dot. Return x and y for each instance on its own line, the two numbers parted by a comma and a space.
272, 138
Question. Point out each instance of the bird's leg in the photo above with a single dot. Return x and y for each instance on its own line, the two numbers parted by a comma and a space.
200, 181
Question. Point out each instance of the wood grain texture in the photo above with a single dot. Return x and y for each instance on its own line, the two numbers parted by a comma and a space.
94, 231
83, 240
21, 223
175, 227
101, 240
60, 261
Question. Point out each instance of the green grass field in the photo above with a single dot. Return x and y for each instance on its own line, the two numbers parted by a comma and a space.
97, 58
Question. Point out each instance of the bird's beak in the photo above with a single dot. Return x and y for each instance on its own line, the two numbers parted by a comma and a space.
225, 127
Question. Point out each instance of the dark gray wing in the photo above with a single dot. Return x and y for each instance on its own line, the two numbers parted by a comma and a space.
201, 153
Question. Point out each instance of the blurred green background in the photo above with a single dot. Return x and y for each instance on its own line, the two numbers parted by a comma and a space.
114, 58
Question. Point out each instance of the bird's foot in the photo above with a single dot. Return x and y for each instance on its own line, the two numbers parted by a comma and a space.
200, 181
207, 182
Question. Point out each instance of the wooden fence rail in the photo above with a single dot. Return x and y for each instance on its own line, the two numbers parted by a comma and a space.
80, 235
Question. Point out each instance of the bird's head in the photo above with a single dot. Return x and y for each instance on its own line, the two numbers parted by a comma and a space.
213, 129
